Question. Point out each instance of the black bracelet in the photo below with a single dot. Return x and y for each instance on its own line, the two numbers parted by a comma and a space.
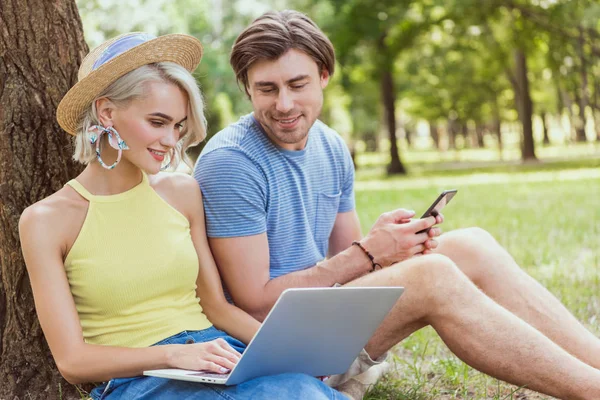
371, 258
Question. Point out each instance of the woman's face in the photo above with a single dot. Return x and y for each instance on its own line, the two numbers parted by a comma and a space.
150, 125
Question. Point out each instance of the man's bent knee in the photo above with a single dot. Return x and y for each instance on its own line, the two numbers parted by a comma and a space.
470, 238
472, 249
428, 271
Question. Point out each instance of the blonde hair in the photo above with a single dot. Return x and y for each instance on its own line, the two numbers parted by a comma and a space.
273, 34
130, 87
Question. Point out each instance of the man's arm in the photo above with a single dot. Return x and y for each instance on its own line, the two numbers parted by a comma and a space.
346, 229
244, 266
244, 261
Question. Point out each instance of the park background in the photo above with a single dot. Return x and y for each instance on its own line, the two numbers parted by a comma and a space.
497, 98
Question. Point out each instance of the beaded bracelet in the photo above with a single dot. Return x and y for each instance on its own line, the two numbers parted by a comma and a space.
371, 258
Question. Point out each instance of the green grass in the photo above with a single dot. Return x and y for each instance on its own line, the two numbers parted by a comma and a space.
546, 215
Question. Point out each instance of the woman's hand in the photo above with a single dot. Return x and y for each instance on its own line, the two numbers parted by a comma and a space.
216, 356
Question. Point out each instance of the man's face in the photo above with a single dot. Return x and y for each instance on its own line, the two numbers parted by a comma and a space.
287, 97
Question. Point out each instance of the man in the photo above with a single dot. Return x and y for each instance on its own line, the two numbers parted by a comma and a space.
278, 196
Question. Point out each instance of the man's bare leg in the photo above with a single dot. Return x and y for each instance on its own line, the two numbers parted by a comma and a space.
478, 330
497, 274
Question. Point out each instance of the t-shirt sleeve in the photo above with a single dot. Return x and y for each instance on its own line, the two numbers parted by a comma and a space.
347, 202
234, 193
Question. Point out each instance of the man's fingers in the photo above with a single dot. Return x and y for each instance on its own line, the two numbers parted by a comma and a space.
417, 249
431, 244
397, 216
422, 224
433, 232
439, 218
419, 238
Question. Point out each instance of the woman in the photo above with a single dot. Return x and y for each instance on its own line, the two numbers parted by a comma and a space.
122, 275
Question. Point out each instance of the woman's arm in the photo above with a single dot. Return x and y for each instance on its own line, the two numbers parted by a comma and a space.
222, 314
42, 244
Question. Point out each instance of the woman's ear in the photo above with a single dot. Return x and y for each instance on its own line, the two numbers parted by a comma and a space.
104, 111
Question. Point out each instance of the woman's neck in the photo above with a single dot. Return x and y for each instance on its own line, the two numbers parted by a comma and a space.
103, 182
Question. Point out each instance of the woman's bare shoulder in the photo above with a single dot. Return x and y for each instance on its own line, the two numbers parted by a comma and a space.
180, 190
174, 181
53, 212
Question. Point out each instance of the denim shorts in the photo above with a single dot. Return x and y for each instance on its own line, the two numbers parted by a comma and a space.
284, 386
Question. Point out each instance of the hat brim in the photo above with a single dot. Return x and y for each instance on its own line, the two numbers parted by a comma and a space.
184, 50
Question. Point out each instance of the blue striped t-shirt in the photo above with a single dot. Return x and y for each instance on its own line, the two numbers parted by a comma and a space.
250, 186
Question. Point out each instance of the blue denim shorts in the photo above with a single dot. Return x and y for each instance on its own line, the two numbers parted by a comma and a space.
284, 386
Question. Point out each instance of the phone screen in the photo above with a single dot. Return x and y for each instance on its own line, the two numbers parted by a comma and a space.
443, 199
439, 203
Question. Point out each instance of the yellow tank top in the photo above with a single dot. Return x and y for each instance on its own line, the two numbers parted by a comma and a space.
133, 268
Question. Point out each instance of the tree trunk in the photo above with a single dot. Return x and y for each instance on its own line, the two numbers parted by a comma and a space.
545, 125
479, 127
584, 96
569, 106
408, 136
596, 107
464, 133
451, 133
388, 95
579, 119
41, 46
524, 105
434, 132
498, 125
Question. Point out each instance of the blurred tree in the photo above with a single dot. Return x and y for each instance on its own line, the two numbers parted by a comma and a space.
39, 58
378, 32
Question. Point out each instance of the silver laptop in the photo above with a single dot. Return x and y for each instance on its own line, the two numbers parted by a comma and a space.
316, 331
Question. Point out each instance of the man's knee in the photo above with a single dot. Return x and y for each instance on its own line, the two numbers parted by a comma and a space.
428, 273
472, 249
473, 239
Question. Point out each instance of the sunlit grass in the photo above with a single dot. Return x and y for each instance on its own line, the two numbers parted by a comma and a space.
547, 216
421, 157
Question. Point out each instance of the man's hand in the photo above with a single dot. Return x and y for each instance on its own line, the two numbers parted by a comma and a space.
394, 237
431, 243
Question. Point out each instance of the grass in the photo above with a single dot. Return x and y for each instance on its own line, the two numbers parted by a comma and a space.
546, 215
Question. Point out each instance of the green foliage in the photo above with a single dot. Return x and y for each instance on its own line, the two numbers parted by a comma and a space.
452, 60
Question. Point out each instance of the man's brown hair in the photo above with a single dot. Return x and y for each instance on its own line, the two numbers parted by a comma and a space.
273, 34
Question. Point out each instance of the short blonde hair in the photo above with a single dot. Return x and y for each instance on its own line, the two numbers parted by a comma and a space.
130, 87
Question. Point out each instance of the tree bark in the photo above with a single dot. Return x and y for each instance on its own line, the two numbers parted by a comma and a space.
464, 133
569, 106
388, 94
524, 105
434, 132
41, 46
584, 96
451, 124
579, 117
596, 106
498, 125
408, 136
479, 128
543, 115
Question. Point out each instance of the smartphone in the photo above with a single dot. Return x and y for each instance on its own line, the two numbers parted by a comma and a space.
439, 203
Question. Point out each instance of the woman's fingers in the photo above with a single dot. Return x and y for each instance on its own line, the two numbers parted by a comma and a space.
223, 362
226, 346
210, 366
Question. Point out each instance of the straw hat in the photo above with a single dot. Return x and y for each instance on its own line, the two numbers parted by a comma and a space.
116, 57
